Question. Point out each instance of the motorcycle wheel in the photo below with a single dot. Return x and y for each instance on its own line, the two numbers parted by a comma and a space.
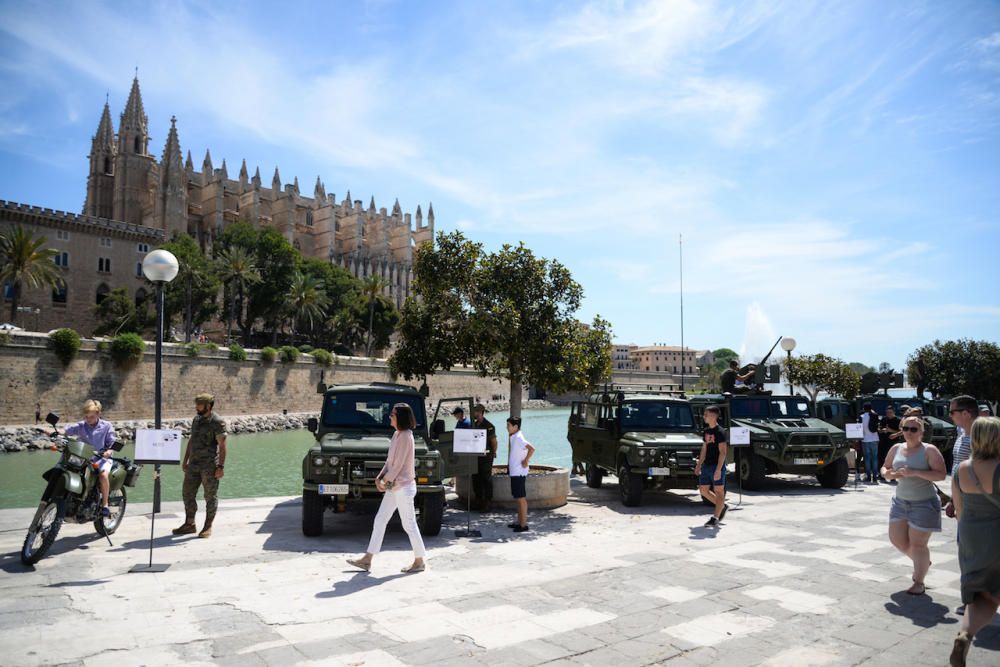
109, 524
37, 545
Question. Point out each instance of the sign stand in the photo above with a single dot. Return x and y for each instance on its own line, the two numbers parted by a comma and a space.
469, 442
156, 446
855, 432
739, 437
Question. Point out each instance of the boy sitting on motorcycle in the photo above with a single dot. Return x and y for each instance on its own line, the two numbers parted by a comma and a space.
100, 435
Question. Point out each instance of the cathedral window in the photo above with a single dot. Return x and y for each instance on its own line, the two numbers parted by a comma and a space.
107, 166
102, 293
138, 269
62, 259
104, 264
142, 247
138, 145
59, 293
309, 218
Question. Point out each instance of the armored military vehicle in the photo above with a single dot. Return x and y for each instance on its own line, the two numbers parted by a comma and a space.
938, 432
647, 438
785, 437
352, 443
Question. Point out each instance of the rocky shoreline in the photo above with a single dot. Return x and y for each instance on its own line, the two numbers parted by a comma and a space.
33, 438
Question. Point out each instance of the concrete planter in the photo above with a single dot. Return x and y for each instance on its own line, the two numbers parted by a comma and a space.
547, 487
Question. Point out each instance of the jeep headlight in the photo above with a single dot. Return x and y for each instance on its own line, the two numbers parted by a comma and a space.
318, 461
334, 460
429, 464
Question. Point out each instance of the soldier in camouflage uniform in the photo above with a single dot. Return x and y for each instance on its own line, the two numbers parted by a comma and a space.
204, 465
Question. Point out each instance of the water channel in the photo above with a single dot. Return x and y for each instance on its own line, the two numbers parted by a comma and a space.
264, 464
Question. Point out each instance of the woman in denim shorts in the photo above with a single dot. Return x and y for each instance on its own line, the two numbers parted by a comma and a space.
916, 509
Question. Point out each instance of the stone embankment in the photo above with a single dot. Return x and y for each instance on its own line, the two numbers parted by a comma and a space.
30, 438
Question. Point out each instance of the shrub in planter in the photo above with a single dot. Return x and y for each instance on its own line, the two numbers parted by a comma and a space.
210, 346
237, 353
127, 348
65, 343
191, 349
268, 354
288, 354
322, 357
6, 338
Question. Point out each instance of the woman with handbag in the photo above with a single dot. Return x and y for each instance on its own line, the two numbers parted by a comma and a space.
976, 495
397, 481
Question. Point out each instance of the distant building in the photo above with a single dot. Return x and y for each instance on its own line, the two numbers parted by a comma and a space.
621, 359
668, 359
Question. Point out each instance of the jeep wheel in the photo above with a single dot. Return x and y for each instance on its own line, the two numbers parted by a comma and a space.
833, 476
312, 514
594, 476
752, 470
630, 485
431, 513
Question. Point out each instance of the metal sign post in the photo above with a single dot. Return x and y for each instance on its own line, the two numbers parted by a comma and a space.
739, 437
469, 442
156, 446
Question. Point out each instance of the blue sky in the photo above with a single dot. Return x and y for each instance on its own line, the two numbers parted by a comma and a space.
834, 168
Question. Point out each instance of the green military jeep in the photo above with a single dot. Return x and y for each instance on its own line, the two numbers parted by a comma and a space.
785, 437
352, 443
937, 431
647, 439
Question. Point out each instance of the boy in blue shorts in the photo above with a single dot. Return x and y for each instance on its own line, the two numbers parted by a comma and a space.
711, 466
520, 454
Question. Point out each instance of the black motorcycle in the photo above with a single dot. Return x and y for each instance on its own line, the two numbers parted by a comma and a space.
72, 493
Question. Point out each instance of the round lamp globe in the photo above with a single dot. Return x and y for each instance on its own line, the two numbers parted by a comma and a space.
160, 266
787, 344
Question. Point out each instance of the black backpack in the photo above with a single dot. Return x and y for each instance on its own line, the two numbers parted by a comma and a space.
873, 422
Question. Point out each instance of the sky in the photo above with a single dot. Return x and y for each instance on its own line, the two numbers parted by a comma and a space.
825, 171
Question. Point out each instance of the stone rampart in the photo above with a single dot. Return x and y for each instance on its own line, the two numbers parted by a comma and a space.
30, 373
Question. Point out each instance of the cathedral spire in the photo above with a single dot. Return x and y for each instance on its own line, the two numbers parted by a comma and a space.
420, 216
256, 179
105, 137
223, 171
371, 206
396, 210
243, 171
189, 163
295, 185
276, 182
206, 164
172, 199
133, 130
430, 214
101, 180
172, 149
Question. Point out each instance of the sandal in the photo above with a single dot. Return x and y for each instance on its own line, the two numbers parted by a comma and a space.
361, 564
960, 649
413, 569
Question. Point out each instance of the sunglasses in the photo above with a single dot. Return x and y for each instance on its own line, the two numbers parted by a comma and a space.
951, 412
911, 429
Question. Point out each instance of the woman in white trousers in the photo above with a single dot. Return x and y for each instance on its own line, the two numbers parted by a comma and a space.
397, 481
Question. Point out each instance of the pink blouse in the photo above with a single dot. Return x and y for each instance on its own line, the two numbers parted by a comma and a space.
399, 466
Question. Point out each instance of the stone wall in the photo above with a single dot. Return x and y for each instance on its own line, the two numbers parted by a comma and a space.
30, 373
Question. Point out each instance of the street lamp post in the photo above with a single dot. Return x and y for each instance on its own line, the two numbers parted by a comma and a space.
159, 267
788, 344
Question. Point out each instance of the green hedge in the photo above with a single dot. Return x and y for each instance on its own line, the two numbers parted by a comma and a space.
237, 353
288, 354
268, 354
127, 348
322, 357
210, 346
192, 349
65, 343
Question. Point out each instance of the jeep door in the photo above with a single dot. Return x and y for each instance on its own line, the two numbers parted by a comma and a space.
443, 439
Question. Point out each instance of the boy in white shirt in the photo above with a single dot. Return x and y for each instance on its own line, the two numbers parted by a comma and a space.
520, 454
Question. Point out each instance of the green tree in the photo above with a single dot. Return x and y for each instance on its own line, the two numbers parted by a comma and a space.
307, 303
118, 313
954, 367
344, 332
371, 289
25, 261
237, 269
860, 368
508, 313
193, 292
277, 262
818, 372
723, 356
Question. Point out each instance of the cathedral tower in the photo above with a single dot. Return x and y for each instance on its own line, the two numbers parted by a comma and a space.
101, 180
133, 163
172, 196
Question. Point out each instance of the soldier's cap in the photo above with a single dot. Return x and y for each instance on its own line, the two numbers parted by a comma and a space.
204, 398
458, 411
480, 407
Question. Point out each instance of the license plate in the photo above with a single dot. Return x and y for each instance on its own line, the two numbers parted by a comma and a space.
659, 472
805, 462
333, 489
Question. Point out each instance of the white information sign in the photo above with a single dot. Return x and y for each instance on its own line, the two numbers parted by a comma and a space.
157, 446
739, 436
470, 441
854, 431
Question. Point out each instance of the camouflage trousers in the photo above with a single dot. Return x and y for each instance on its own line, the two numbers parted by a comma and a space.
192, 480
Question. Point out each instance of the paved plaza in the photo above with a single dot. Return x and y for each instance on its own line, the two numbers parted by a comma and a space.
797, 575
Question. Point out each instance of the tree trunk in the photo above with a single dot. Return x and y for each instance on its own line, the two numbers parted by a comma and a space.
187, 311
515, 398
371, 321
232, 314
15, 293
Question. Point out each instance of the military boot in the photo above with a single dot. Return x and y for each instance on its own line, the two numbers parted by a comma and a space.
206, 531
186, 528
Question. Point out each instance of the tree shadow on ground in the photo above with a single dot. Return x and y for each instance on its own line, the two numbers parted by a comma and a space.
920, 609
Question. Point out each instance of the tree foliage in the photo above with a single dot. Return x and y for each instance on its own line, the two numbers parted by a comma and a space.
191, 295
65, 344
957, 367
118, 313
508, 314
24, 261
818, 372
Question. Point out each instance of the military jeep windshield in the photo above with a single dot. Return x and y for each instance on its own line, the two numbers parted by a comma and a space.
790, 407
655, 415
752, 408
367, 410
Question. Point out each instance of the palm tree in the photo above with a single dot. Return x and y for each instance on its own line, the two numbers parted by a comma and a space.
237, 270
346, 330
24, 261
307, 301
372, 288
